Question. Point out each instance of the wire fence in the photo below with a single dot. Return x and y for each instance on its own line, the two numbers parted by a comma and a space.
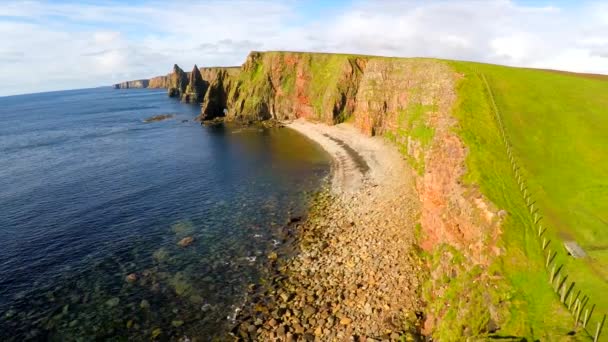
578, 304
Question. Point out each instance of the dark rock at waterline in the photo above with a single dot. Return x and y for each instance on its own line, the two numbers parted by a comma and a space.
159, 118
295, 219
212, 122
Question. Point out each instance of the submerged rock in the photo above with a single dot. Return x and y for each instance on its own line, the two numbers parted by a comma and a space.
185, 242
160, 254
160, 117
156, 332
182, 228
131, 278
180, 284
112, 302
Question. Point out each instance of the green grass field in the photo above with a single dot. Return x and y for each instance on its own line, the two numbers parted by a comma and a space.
558, 126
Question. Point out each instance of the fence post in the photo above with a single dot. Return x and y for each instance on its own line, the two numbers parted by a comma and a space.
575, 301
598, 330
590, 313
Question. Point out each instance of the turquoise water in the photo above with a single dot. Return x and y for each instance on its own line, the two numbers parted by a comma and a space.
89, 194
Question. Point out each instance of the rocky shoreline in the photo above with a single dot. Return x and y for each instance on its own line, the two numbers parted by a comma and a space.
356, 273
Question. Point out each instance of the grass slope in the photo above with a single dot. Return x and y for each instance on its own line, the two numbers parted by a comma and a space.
558, 126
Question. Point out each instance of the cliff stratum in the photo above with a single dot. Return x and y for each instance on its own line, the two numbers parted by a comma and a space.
490, 267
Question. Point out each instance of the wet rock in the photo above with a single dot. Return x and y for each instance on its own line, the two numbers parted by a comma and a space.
131, 278
160, 254
112, 302
10, 314
156, 332
183, 228
185, 242
160, 117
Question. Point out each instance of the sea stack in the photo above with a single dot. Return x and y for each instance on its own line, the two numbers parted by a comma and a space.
177, 82
195, 90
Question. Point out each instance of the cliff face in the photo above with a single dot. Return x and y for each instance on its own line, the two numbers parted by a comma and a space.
132, 84
286, 85
159, 82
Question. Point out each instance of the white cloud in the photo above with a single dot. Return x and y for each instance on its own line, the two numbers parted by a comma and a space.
56, 46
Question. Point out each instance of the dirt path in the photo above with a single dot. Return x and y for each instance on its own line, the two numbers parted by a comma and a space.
356, 274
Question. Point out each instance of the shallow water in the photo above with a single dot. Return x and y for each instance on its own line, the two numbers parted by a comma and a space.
89, 194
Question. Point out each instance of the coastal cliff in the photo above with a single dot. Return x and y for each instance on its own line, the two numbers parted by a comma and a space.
132, 84
410, 103
187, 86
407, 101
439, 115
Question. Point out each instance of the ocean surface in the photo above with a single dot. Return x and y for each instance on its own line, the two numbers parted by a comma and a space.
90, 193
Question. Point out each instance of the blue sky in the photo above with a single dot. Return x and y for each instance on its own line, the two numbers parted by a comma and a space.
54, 45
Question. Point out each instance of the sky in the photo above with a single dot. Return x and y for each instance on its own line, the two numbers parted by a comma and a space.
55, 45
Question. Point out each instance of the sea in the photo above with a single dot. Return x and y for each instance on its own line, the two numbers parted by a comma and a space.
94, 202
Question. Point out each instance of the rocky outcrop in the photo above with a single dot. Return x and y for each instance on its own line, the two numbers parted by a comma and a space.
222, 83
132, 84
177, 82
196, 88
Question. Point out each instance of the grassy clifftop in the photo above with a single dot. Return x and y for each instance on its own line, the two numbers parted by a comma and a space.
556, 124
